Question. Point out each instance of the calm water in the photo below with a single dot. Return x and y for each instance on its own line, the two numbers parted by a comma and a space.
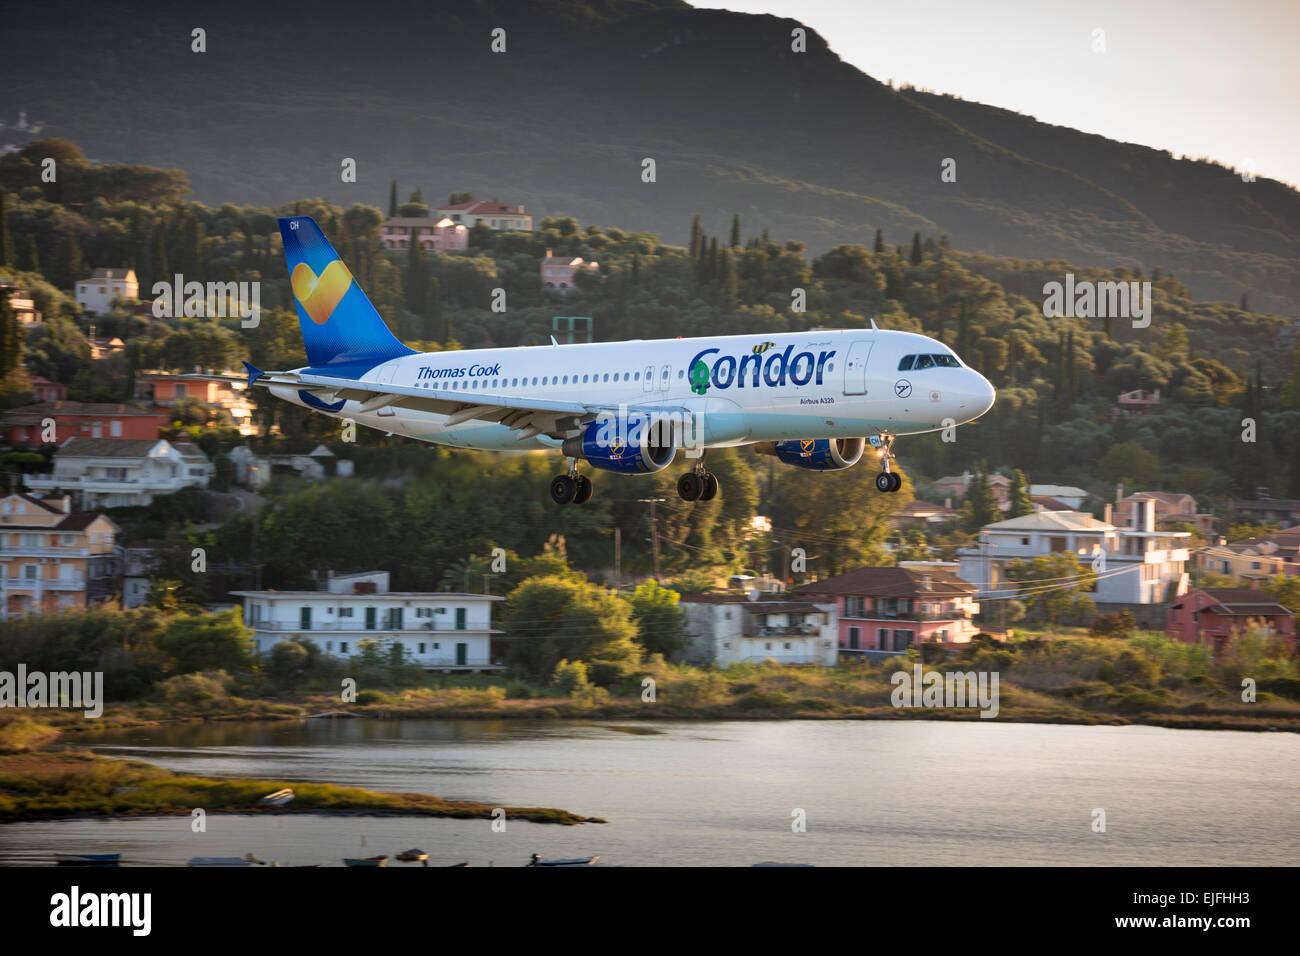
685, 793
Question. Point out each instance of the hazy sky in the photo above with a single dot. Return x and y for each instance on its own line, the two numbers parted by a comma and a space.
1197, 77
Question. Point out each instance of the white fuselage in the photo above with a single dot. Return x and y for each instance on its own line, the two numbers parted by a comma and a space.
784, 386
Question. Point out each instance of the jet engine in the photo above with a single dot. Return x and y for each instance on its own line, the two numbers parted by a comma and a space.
816, 454
636, 444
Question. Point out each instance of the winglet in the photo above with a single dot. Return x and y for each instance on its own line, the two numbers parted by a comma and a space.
254, 373
873, 324
554, 343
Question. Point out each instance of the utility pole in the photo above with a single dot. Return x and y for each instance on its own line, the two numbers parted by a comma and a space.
618, 557
654, 529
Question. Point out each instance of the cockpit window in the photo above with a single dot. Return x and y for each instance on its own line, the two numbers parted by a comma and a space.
949, 361
906, 362
924, 361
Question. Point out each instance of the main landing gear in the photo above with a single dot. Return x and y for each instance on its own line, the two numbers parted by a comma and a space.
571, 489
887, 481
698, 485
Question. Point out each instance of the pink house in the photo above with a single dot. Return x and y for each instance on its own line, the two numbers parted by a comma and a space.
892, 609
1218, 615
436, 235
1139, 401
558, 272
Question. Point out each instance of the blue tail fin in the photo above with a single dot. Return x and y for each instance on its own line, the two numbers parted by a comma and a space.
341, 329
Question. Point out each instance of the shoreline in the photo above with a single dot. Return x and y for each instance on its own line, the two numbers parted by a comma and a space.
1266, 719
60, 785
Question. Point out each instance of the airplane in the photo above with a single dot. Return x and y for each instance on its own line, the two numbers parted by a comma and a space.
814, 400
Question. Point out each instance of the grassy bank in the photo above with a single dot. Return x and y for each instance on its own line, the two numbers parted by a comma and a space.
1056, 676
41, 785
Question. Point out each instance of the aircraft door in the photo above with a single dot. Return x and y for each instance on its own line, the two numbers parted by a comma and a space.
855, 368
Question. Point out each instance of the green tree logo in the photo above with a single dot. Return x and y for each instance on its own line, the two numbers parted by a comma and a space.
699, 377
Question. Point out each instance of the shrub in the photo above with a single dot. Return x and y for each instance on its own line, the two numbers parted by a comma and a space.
198, 688
570, 678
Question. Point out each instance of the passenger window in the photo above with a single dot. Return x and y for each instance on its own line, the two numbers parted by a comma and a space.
584, 379
924, 361
607, 376
543, 379
681, 373
534, 379
905, 362
636, 377
514, 383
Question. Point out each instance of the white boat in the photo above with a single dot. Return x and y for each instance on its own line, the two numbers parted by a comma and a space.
277, 799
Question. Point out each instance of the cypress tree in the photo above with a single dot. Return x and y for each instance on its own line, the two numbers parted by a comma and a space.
730, 281
880, 242
433, 309
31, 260
72, 264
917, 255
697, 237
158, 270
416, 280
11, 338
7, 258
392, 199
636, 268
735, 231
1018, 495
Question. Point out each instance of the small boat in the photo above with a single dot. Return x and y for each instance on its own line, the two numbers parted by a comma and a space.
577, 861
277, 799
218, 861
366, 861
412, 856
87, 859
466, 863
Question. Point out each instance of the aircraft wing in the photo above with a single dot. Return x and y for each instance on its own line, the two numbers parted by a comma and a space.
529, 415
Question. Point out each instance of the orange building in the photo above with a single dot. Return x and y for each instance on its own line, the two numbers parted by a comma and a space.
52, 559
26, 425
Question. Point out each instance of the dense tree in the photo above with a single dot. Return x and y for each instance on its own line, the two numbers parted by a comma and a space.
549, 619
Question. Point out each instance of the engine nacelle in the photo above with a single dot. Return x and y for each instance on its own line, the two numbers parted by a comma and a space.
635, 445
816, 454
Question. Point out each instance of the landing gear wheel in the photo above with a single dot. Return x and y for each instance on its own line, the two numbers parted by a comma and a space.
884, 482
563, 489
583, 494
711, 487
895, 481
690, 486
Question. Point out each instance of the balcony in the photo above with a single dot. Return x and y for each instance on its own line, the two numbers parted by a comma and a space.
803, 630
381, 627
43, 584
41, 551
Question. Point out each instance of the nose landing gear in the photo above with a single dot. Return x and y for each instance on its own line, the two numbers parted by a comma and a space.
572, 488
887, 481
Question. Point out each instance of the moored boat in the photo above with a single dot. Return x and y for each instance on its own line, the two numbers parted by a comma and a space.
365, 861
87, 859
576, 861
277, 799
218, 861
412, 856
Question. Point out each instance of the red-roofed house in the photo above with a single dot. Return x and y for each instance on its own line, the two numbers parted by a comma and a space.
26, 425
51, 558
892, 609
493, 214
1218, 615
1172, 508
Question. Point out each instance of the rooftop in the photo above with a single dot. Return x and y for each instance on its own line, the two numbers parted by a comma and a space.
891, 582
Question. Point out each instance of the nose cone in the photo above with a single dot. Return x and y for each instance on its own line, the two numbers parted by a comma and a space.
978, 395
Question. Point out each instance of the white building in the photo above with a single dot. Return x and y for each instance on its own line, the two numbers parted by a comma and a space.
438, 630
1066, 494
97, 293
1135, 566
493, 214
115, 472
728, 628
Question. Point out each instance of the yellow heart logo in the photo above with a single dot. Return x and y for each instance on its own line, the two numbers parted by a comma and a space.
318, 295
